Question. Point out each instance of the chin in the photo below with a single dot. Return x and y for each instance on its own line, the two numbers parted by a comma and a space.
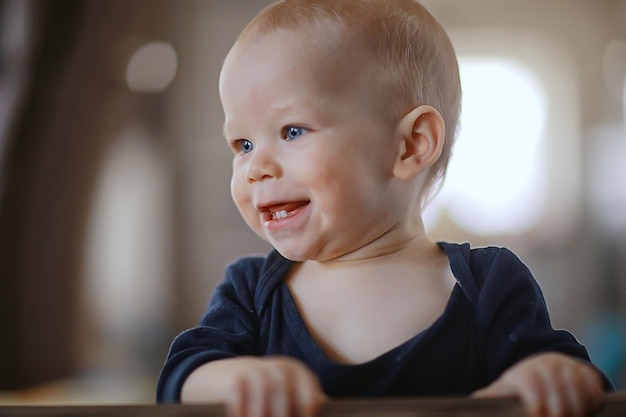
300, 256
294, 257
291, 254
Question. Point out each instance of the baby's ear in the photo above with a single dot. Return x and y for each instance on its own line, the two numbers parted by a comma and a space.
422, 132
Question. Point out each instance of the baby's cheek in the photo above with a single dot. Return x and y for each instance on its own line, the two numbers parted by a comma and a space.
239, 189
242, 200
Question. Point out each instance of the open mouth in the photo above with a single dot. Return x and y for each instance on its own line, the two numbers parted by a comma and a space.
283, 210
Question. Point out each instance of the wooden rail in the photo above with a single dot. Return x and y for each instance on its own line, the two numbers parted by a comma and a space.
614, 406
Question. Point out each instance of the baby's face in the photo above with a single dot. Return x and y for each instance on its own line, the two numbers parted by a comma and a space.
313, 159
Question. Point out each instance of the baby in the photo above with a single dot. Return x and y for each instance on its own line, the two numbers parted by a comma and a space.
341, 115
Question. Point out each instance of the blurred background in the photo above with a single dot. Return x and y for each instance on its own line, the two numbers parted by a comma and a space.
115, 215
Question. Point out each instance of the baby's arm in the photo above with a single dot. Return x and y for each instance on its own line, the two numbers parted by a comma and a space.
219, 361
256, 386
550, 384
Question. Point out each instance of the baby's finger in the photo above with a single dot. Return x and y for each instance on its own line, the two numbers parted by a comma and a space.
257, 396
574, 402
578, 388
236, 400
309, 396
280, 393
590, 393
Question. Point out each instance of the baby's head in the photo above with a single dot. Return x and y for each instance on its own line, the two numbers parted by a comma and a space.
336, 112
408, 56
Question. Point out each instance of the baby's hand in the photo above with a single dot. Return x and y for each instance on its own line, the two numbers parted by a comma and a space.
275, 386
550, 384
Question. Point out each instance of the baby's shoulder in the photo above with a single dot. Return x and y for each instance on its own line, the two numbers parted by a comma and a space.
480, 269
471, 260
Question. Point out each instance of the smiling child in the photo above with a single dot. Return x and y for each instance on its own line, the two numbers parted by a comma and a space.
341, 115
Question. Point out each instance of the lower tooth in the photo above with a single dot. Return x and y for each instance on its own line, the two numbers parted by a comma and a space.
280, 214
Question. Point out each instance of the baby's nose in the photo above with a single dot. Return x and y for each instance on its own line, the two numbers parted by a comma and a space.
263, 165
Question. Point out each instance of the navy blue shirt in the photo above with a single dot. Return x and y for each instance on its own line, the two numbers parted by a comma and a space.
496, 315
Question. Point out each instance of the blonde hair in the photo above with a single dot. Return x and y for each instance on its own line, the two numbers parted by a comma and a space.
415, 61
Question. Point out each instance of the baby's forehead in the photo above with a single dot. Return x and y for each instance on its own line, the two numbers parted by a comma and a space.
286, 64
334, 51
310, 52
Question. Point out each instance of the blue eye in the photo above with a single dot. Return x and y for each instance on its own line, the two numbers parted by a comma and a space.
293, 132
245, 146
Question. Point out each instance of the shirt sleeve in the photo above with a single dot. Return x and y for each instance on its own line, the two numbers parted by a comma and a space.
229, 327
513, 318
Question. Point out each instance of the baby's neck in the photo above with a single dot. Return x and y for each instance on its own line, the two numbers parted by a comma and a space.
399, 292
418, 249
